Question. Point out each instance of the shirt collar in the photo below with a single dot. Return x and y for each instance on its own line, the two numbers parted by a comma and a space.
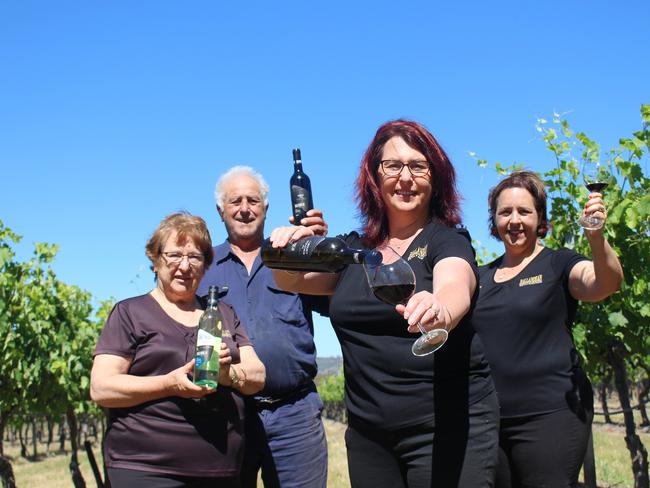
222, 251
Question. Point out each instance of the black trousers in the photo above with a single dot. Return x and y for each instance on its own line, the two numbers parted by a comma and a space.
544, 450
460, 452
129, 478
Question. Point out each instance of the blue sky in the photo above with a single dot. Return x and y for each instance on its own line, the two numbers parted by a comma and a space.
114, 114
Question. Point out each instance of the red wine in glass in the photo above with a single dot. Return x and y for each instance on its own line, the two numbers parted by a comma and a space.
393, 282
594, 176
394, 294
596, 187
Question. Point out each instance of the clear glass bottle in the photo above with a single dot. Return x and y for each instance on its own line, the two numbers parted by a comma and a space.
208, 342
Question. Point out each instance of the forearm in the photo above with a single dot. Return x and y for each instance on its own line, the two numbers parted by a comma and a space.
308, 283
607, 270
456, 300
246, 380
288, 280
125, 390
454, 283
249, 375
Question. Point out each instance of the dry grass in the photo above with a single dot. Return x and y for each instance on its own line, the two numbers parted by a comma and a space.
51, 471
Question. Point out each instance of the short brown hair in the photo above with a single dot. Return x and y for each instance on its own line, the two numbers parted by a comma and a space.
187, 226
530, 182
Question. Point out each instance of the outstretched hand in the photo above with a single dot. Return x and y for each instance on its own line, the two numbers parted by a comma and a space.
424, 308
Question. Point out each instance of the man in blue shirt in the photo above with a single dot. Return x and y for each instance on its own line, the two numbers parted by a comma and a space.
284, 431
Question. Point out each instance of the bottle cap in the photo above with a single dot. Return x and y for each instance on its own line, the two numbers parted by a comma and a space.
296, 155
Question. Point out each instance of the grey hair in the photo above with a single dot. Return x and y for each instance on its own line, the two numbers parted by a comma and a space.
235, 171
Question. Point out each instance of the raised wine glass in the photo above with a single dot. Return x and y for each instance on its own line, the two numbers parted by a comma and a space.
393, 282
595, 179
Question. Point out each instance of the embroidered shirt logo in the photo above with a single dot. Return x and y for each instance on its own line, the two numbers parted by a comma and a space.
420, 253
533, 280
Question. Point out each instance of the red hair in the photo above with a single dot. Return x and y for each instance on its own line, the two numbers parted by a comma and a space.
445, 200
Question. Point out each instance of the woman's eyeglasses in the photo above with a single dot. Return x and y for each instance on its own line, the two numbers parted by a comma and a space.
393, 167
175, 258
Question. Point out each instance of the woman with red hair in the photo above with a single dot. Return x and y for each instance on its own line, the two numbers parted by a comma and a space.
413, 421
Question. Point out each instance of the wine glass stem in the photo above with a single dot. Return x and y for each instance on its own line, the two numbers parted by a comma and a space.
422, 329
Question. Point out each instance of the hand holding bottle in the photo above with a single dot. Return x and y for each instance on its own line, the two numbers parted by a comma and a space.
178, 384
281, 236
314, 220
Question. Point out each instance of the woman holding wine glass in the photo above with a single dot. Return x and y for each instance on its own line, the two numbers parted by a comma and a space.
413, 421
524, 314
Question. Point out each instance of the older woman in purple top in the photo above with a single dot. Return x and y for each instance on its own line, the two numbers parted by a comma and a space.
163, 429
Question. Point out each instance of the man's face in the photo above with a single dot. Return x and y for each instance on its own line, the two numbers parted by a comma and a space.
243, 210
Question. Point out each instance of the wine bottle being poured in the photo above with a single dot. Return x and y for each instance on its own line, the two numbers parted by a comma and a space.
324, 254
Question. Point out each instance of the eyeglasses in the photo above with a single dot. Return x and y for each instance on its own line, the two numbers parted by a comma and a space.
393, 167
175, 258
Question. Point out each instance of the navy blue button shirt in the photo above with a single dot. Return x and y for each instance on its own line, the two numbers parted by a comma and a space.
278, 323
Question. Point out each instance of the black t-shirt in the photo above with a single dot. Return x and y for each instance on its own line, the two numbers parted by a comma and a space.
171, 435
385, 384
525, 324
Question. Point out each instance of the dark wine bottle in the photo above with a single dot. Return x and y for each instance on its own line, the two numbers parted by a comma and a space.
324, 254
300, 186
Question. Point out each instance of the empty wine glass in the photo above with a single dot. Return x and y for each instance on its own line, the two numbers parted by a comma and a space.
595, 179
393, 282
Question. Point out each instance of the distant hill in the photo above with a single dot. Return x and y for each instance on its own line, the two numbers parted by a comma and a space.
328, 366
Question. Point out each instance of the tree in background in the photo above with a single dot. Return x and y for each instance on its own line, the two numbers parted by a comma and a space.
21, 343
613, 335
48, 337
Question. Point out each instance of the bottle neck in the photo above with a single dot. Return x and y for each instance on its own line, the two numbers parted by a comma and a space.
213, 299
297, 167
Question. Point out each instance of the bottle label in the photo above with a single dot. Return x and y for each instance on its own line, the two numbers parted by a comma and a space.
207, 351
302, 247
300, 198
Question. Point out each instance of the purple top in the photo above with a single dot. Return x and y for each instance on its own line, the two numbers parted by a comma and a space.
171, 435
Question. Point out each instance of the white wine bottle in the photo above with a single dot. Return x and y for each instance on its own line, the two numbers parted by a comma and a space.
208, 342
324, 254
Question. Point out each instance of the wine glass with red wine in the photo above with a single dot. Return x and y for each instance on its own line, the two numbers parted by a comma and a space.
393, 282
595, 179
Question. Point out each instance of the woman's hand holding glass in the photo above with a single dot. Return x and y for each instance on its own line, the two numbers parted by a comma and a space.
393, 282
424, 311
595, 179
595, 213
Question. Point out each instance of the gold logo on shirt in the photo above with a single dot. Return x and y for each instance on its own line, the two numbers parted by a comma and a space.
533, 280
226, 333
420, 253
